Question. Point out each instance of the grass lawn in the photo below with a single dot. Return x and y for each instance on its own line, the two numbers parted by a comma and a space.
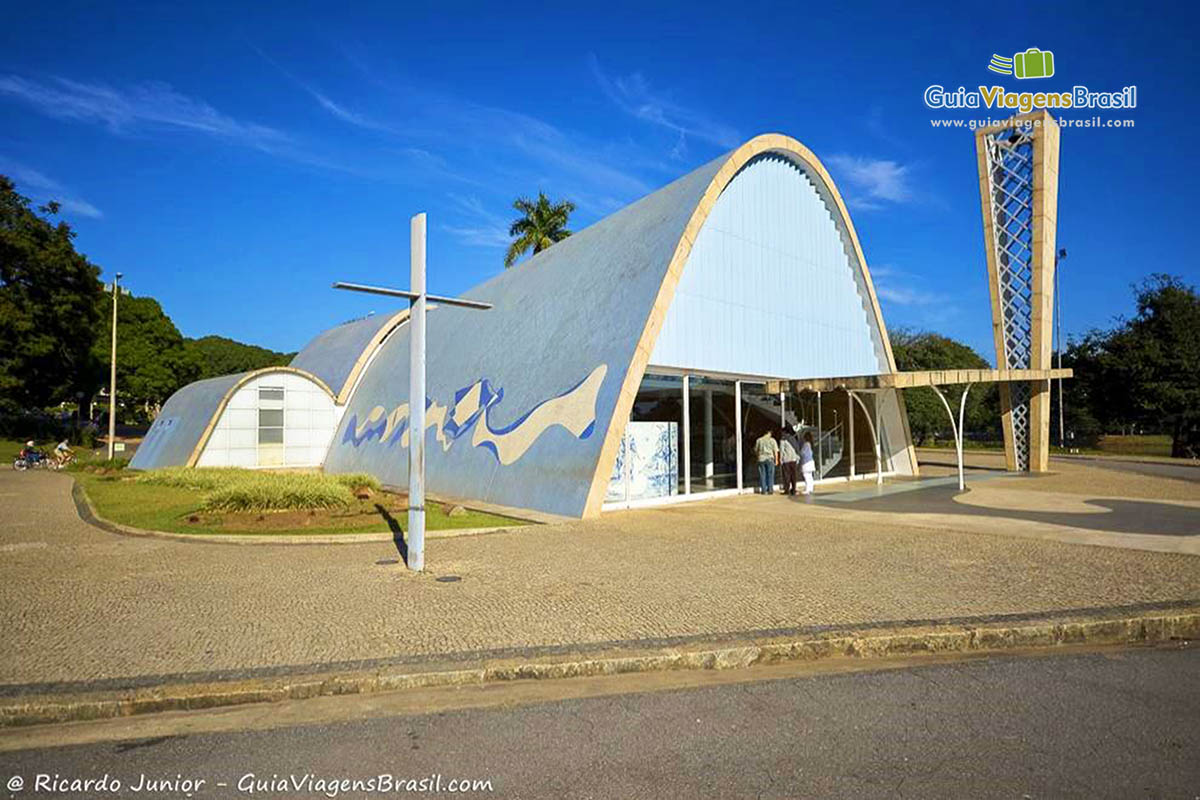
177, 510
1135, 445
1157, 446
948, 444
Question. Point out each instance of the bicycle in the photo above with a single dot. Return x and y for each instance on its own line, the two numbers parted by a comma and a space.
30, 461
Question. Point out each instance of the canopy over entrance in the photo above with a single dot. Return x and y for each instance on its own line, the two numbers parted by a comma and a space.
911, 380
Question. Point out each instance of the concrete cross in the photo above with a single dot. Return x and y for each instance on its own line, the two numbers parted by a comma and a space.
417, 298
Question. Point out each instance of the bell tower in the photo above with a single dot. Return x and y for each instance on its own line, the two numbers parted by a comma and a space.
1018, 187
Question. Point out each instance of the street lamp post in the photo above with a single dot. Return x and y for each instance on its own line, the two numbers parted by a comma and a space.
416, 382
1058, 259
112, 375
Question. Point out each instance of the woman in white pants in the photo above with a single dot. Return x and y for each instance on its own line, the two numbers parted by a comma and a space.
807, 466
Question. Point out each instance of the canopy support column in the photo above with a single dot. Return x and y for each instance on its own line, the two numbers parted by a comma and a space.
737, 411
874, 434
686, 435
958, 429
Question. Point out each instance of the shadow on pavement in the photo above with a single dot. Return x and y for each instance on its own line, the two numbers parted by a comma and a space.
952, 464
1123, 516
397, 532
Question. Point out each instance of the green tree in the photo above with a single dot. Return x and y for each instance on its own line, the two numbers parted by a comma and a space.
152, 360
1157, 355
920, 350
48, 306
1144, 374
217, 355
1085, 393
542, 223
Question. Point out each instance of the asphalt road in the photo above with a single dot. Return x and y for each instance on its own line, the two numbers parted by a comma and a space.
1102, 724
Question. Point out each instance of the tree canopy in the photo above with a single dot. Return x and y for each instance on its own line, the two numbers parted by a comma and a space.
152, 361
56, 326
217, 355
1145, 372
921, 350
48, 306
541, 224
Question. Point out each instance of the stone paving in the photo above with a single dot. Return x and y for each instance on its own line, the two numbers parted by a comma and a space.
81, 604
1112, 504
1095, 477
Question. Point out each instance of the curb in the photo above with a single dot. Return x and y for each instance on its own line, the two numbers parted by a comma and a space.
1165, 461
87, 512
878, 643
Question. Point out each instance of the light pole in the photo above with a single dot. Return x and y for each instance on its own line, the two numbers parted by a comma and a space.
1058, 259
112, 375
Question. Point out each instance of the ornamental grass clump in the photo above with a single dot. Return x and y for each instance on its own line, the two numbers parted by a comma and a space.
279, 492
197, 478
233, 489
358, 480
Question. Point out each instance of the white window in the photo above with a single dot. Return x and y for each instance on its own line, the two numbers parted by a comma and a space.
270, 425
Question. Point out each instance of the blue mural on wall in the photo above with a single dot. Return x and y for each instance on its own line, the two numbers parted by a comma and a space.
647, 463
471, 412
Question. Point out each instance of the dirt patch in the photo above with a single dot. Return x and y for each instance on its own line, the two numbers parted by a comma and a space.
381, 509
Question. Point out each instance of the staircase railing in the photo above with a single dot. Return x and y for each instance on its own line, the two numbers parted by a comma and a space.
831, 449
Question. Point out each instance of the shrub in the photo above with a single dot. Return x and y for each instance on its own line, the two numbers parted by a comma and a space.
288, 492
108, 464
198, 478
358, 480
233, 489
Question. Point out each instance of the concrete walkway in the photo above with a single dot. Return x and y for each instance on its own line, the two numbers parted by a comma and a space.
78, 604
994, 504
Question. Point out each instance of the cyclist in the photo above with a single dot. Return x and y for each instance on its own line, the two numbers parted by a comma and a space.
63, 453
30, 454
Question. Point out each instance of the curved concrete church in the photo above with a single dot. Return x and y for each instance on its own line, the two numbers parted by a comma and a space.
625, 365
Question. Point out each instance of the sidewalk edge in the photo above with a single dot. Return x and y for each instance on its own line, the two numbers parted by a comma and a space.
882, 643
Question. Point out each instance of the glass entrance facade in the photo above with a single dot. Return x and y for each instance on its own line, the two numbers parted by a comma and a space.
713, 426
761, 413
692, 434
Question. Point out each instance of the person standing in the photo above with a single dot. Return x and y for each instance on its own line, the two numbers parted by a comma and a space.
767, 451
807, 465
789, 454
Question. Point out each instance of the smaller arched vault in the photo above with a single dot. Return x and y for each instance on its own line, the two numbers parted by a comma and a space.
273, 417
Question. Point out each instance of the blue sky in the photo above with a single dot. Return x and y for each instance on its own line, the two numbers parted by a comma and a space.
233, 159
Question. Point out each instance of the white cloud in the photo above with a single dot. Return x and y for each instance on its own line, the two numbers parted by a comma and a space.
484, 228
496, 147
872, 183
154, 106
343, 113
479, 237
634, 95
902, 288
906, 296
45, 189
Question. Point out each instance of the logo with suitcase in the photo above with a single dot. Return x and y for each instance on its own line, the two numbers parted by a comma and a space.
1033, 63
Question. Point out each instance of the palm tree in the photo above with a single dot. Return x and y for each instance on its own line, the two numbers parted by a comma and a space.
543, 223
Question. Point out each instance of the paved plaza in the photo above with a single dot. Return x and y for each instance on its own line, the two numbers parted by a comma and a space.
79, 604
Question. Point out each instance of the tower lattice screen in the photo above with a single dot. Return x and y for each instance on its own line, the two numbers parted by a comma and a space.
1010, 184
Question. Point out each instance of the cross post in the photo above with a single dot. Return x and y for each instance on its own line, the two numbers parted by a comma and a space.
417, 298
416, 401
